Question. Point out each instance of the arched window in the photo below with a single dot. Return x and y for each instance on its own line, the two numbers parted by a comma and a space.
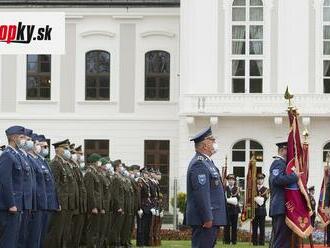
326, 46
326, 150
242, 153
97, 75
247, 46
157, 76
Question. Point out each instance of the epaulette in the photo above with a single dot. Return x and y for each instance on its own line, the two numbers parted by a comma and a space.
200, 158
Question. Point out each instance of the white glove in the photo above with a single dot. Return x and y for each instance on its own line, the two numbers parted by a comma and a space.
259, 200
161, 214
232, 201
157, 212
153, 211
140, 213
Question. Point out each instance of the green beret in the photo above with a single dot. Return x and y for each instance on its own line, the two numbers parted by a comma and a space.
104, 161
93, 158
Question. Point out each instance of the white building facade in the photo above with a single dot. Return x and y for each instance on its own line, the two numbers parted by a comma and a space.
138, 80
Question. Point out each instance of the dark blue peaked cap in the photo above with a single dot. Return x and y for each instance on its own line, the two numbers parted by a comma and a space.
28, 132
200, 136
282, 144
34, 137
15, 130
41, 138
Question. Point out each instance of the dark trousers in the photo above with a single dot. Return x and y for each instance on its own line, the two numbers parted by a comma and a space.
282, 235
146, 222
92, 230
9, 229
203, 237
56, 228
139, 231
230, 230
23, 231
104, 222
313, 220
44, 227
77, 226
34, 230
118, 222
328, 235
258, 223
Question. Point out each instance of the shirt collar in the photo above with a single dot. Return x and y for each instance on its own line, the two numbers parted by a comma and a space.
9, 146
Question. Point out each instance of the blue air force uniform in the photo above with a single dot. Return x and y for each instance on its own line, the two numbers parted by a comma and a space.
11, 194
205, 197
278, 180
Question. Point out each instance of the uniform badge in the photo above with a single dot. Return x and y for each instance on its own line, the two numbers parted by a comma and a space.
202, 179
276, 172
200, 158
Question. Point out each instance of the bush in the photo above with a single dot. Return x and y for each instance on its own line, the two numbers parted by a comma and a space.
181, 201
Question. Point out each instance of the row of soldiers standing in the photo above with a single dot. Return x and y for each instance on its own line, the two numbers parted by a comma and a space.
67, 204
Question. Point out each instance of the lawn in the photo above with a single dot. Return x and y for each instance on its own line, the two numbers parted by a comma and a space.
179, 244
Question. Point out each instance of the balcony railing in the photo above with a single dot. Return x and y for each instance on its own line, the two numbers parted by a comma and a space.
254, 104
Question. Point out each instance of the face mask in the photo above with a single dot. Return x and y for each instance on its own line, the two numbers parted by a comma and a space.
81, 159
82, 165
66, 154
231, 183
98, 163
137, 174
44, 152
215, 147
21, 143
28, 145
74, 157
108, 166
132, 176
1, 152
121, 169
37, 149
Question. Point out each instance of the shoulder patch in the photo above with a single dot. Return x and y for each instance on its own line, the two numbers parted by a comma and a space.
275, 172
200, 158
202, 179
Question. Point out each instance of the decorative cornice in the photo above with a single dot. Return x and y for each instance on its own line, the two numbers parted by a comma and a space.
98, 33
158, 33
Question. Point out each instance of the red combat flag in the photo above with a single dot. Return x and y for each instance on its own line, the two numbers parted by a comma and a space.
298, 210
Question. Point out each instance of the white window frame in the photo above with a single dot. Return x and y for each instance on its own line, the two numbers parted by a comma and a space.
265, 57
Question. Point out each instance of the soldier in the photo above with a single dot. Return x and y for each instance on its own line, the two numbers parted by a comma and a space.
233, 197
104, 222
94, 200
260, 211
34, 226
29, 188
110, 175
278, 180
144, 214
159, 210
311, 192
52, 198
118, 204
63, 181
206, 203
79, 214
154, 199
11, 194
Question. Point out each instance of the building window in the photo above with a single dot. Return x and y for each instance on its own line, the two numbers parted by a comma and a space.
157, 155
326, 46
38, 81
100, 147
326, 150
97, 75
157, 76
247, 46
242, 153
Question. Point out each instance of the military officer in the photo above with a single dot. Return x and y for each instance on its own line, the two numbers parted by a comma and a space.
104, 222
63, 180
94, 200
278, 180
260, 211
52, 198
34, 229
233, 196
79, 214
118, 203
144, 214
206, 203
11, 194
110, 176
29, 188
311, 192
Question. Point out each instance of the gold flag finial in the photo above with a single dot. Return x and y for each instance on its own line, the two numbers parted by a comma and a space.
305, 134
288, 96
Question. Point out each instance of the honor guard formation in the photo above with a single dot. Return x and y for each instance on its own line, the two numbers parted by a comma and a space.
68, 203
214, 198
